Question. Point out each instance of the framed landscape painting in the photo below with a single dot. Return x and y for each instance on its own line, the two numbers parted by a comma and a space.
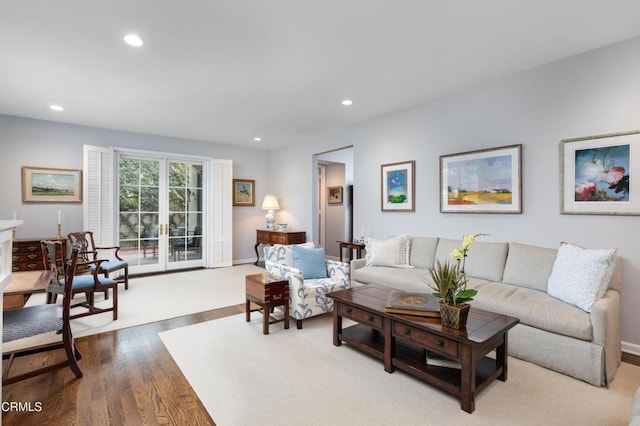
244, 192
483, 181
398, 187
596, 174
48, 185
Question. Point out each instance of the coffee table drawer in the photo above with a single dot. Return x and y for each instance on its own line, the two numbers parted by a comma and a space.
361, 316
427, 340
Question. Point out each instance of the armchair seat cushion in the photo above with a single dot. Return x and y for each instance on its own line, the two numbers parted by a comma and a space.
113, 265
86, 281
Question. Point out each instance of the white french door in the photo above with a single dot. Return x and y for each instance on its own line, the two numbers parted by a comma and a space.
160, 213
170, 212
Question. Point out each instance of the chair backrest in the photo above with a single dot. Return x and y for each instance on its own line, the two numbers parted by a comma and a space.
86, 245
69, 273
54, 256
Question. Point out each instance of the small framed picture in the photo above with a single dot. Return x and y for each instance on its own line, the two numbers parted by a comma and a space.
596, 172
47, 185
334, 195
244, 194
397, 187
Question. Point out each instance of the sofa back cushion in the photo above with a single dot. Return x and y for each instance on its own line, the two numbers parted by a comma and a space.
484, 260
529, 266
423, 251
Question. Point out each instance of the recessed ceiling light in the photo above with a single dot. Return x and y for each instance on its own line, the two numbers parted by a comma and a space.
257, 139
56, 107
133, 40
347, 102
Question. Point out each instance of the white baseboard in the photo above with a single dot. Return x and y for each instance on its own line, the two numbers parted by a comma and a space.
243, 261
631, 348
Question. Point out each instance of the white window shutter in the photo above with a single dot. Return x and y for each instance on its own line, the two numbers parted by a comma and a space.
220, 184
98, 194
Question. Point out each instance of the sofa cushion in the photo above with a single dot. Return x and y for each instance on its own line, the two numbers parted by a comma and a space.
581, 276
533, 308
484, 260
423, 251
393, 252
529, 266
310, 261
402, 279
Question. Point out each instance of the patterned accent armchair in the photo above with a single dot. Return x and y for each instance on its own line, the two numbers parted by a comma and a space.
307, 298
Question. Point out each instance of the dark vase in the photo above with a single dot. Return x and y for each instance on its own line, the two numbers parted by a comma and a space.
454, 316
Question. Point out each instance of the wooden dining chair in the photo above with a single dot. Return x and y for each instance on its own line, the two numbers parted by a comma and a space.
86, 280
112, 262
39, 319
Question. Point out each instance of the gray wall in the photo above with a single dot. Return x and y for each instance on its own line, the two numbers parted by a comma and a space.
27, 142
593, 93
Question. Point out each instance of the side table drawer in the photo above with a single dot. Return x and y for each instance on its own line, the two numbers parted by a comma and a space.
430, 341
278, 239
360, 315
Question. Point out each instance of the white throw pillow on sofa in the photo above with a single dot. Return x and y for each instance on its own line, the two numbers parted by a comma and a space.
393, 252
581, 276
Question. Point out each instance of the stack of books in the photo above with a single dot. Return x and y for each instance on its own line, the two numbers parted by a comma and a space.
440, 361
418, 304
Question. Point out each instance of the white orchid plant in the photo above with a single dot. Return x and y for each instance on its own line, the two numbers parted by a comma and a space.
448, 279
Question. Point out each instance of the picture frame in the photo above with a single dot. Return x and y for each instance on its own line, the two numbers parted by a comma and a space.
244, 193
51, 185
595, 174
482, 181
334, 195
397, 187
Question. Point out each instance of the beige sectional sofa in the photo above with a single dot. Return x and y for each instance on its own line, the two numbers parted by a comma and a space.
511, 279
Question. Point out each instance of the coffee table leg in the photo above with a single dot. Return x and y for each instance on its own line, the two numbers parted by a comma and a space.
247, 310
501, 358
337, 325
468, 380
389, 346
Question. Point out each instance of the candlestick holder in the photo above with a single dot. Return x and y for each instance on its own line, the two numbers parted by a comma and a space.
59, 231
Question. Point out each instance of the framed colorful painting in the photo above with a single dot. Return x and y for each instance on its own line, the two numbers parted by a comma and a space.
596, 172
398, 187
483, 181
244, 192
46, 185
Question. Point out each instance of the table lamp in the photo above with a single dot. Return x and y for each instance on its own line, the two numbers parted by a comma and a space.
270, 203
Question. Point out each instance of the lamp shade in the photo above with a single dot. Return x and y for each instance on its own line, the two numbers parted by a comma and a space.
270, 202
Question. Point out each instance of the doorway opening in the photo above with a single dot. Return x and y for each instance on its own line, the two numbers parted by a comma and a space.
333, 199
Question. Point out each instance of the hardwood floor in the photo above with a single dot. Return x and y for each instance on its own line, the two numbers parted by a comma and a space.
129, 379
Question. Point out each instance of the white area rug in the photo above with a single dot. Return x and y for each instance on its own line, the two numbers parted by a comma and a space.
155, 298
294, 377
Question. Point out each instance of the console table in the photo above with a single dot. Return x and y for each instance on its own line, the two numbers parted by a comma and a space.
265, 236
357, 247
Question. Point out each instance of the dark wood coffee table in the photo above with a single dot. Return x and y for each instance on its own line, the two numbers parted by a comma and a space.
402, 341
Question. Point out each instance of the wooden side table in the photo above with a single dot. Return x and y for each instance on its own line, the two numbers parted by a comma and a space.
357, 247
277, 237
267, 292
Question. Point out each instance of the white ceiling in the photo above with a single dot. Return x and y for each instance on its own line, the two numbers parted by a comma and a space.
229, 70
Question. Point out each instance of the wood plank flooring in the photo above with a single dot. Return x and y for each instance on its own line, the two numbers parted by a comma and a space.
129, 379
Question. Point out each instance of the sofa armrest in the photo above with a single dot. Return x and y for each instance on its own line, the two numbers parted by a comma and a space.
605, 320
338, 270
357, 264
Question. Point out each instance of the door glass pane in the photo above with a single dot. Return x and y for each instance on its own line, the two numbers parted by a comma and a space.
139, 210
185, 211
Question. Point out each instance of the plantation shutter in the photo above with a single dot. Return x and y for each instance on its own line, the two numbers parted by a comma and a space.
220, 206
98, 194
